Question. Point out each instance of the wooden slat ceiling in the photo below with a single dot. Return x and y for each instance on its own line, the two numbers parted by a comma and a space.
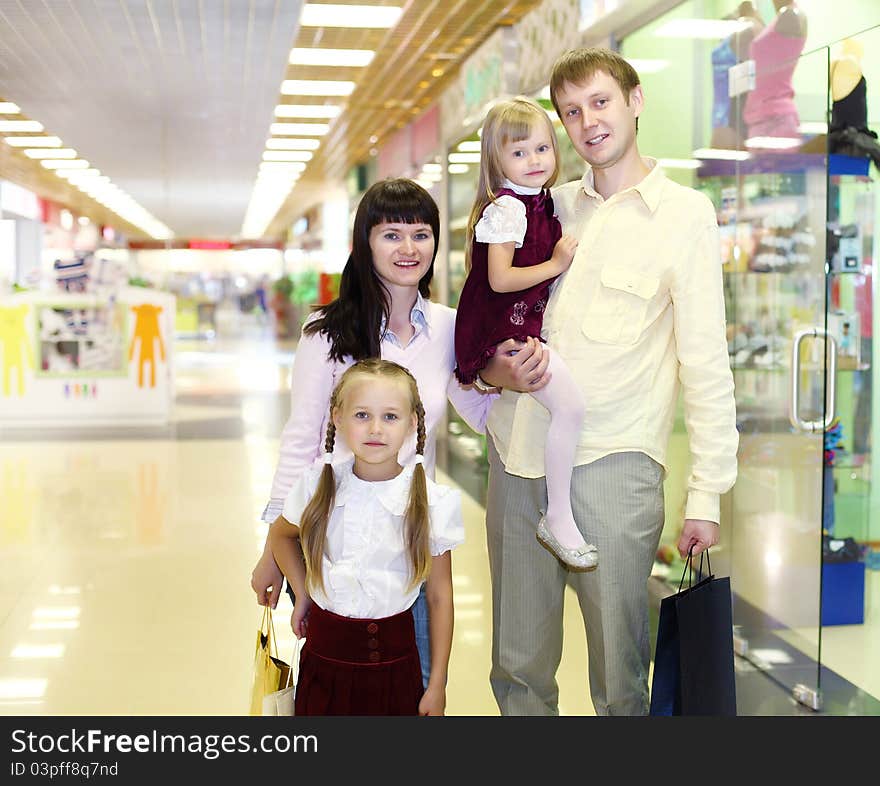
414, 63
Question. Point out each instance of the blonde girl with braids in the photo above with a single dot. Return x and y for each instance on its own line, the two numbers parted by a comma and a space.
356, 540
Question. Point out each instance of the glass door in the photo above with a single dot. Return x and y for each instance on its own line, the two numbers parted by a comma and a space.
773, 215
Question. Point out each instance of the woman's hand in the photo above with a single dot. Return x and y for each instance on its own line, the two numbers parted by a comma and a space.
299, 620
266, 580
434, 701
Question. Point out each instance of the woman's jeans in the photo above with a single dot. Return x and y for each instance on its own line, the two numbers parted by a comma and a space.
423, 640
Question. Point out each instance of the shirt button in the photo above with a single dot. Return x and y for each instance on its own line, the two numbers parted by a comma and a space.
372, 627
372, 643
374, 657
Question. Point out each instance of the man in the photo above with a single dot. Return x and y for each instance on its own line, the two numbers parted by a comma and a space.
637, 317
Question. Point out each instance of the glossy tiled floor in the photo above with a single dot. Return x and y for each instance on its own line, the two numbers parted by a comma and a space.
126, 556
125, 559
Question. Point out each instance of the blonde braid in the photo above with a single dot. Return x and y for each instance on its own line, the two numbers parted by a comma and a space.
418, 521
316, 516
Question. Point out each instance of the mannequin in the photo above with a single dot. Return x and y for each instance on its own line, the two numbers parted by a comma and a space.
770, 110
848, 133
726, 111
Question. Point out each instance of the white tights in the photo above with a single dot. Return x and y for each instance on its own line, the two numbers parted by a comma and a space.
562, 398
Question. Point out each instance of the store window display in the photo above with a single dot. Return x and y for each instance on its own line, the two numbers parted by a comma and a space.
770, 109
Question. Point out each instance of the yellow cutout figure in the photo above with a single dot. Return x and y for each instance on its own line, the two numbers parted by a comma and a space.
146, 328
15, 347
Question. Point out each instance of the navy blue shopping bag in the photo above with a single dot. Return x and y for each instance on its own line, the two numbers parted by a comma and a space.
693, 661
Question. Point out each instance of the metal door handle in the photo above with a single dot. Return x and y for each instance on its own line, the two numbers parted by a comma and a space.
831, 381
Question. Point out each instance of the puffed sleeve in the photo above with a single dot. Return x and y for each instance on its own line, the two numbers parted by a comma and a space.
503, 220
447, 524
300, 494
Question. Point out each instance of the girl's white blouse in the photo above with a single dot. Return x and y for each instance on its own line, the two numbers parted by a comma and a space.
366, 570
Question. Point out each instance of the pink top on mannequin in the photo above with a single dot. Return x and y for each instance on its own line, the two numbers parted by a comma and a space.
776, 56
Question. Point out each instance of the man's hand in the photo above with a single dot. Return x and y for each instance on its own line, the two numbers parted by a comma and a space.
266, 580
699, 533
518, 366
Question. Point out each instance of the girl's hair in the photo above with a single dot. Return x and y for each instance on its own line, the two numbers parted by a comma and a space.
508, 121
313, 526
352, 322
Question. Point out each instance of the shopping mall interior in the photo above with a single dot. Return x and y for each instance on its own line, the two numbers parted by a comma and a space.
178, 184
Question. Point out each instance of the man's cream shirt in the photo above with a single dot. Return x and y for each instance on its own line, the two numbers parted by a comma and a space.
638, 316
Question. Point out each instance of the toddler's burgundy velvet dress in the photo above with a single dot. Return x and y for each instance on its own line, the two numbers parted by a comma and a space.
485, 318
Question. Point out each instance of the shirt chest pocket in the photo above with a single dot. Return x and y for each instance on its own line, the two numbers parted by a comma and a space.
619, 308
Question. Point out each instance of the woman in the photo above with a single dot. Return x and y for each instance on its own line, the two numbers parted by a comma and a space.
383, 311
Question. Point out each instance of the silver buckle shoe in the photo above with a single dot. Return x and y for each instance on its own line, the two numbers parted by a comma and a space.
584, 557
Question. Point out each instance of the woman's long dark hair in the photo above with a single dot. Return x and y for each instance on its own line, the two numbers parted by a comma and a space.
352, 321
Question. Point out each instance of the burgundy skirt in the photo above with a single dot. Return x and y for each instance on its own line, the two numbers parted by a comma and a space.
359, 667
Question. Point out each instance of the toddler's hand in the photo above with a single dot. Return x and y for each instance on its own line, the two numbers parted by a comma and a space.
299, 620
563, 252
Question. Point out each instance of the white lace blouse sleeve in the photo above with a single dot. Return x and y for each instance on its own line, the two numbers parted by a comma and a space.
502, 221
447, 524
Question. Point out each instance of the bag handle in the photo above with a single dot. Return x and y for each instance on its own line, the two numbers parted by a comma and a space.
294, 661
689, 565
270, 632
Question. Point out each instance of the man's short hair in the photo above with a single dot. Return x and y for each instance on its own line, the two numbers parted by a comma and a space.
580, 65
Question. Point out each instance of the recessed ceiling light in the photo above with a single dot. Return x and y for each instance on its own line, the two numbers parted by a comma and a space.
469, 146
33, 141
299, 129
307, 110
8, 108
331, 57
79, 174
458, 169
282, 166
316, 87
287, 155
292, 144
64, 163
50, 152
331, 15
23, 126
